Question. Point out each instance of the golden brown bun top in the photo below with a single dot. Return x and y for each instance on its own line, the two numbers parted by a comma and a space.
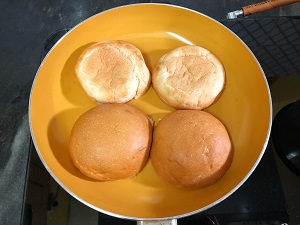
113, 71
191, 149
189, 77
111, 141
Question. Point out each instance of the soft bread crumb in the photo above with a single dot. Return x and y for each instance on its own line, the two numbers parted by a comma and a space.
113, 72
189, 77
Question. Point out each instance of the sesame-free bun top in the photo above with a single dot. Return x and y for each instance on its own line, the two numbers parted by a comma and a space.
113, 71
111, 142
188, 77
191, 149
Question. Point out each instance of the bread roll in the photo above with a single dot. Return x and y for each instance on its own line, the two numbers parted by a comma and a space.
111, 142
189, 77
113, 72
191, 149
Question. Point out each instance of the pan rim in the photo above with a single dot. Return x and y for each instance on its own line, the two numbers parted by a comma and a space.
157, 218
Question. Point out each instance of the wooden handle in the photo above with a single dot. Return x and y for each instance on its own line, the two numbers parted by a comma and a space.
263, 6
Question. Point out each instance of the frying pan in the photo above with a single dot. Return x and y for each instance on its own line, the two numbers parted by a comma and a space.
57, 100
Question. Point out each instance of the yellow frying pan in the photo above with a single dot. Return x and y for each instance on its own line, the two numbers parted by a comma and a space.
57, 100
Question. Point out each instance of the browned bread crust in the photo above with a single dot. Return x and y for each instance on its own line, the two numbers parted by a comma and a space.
111, 142
191, 149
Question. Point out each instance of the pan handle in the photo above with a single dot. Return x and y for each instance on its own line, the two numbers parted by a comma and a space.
157, 222
259, 7
266, 5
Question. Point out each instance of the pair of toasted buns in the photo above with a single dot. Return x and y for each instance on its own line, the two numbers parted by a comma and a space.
189, 77
191, 148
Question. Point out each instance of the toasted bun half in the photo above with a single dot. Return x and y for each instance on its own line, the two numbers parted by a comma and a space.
191, 149
111, 142
189, 77
113, 72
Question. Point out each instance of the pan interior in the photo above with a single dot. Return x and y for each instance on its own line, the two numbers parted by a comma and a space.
57, 100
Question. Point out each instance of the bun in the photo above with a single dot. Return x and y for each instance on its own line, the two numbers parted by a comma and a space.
191, 149
189, 77
111, 142
113, 72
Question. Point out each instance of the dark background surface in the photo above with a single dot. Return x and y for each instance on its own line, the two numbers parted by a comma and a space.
24, 27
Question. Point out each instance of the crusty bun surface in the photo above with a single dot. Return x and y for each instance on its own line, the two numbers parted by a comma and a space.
111, 142
191, 149
188, 77
113, 71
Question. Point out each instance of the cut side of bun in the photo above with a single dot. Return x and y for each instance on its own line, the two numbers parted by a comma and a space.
113, 71
111, 142
191, 149
188, 77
